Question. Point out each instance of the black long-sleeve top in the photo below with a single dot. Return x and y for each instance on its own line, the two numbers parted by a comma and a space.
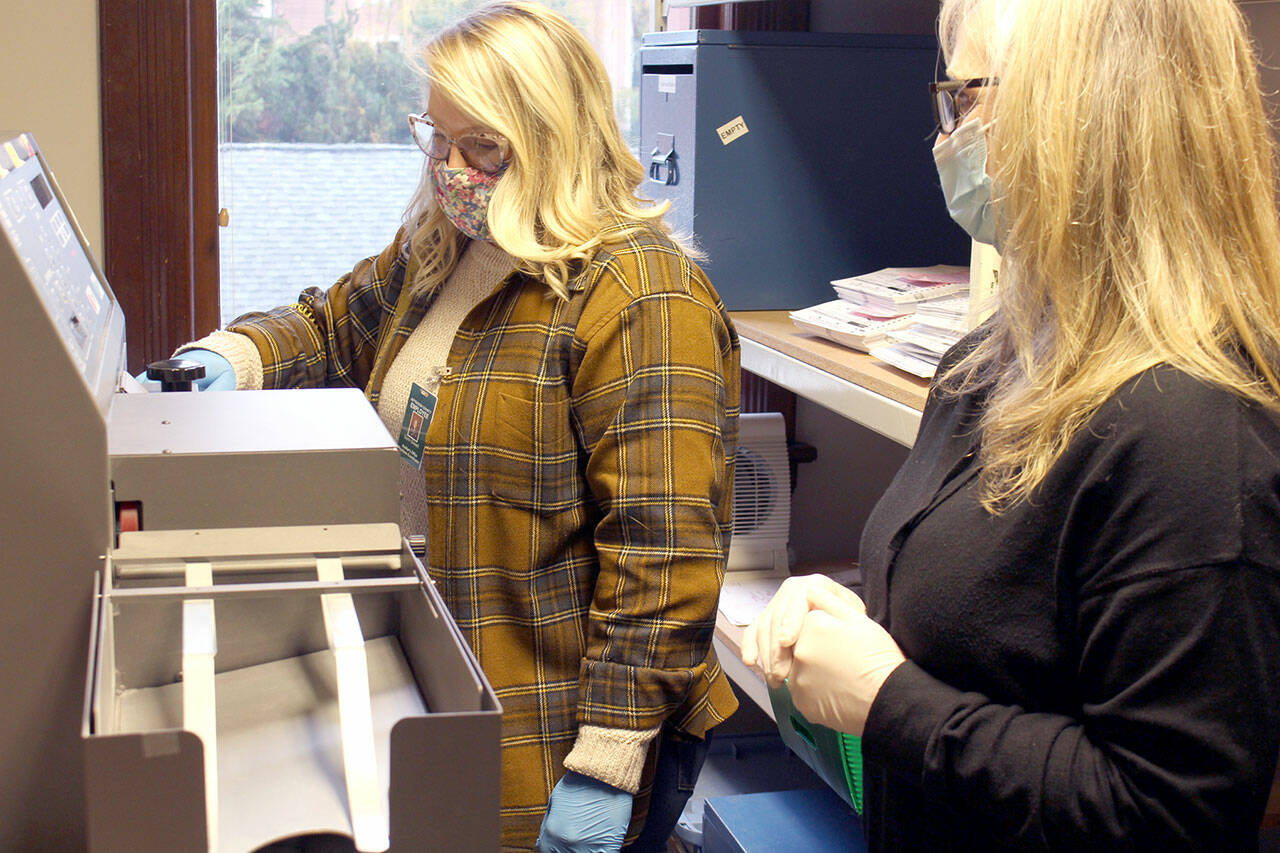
1098, 667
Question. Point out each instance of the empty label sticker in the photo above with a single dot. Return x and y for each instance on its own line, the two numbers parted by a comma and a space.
732, 130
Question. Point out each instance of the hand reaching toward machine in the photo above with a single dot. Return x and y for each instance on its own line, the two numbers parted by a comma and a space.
218, 372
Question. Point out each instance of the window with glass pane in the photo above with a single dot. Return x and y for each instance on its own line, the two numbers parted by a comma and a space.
315, 159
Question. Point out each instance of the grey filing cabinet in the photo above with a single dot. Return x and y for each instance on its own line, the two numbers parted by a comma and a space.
795, 158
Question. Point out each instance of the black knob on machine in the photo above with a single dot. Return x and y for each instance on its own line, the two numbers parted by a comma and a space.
175, 374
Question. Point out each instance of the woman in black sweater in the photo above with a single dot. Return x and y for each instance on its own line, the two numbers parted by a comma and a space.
1071, 637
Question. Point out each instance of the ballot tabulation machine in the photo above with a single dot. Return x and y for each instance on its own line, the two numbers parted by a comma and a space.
267, 658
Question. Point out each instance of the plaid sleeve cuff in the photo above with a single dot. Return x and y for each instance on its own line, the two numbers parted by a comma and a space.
614, 756
237, 349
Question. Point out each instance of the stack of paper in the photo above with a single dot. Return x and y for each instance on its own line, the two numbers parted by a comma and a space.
843, 323
936, 326
916, 349
874, 310
905, 316
896, 291
950, 313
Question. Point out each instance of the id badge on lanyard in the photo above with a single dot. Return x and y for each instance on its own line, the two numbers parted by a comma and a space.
417, 417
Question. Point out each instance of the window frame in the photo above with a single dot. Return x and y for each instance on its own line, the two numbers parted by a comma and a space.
160, 170
159, 73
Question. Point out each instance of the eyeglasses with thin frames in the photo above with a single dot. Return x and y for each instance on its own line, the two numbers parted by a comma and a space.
484, 151
953, 99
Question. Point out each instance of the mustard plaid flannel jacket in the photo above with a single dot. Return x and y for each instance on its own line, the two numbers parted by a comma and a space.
579, 479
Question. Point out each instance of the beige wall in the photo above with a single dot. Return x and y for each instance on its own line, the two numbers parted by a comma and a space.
49, 69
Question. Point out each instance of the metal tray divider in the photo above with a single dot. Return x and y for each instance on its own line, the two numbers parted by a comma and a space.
199, 710
370, 817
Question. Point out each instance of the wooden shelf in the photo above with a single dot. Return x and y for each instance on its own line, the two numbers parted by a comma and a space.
852, 384
728, 636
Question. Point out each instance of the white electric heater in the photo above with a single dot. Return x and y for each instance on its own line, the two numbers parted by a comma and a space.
761, 495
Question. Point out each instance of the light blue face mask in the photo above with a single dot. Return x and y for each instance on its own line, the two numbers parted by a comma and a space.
961, 159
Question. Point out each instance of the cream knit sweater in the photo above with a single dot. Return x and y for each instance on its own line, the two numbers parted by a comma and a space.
421, 361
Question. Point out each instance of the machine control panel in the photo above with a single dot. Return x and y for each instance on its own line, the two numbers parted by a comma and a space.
44, 240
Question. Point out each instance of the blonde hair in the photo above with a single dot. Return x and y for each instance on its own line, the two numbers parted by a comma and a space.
527, 73
1136, 197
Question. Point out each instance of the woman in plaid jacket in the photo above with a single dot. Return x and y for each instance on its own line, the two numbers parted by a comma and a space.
563, 381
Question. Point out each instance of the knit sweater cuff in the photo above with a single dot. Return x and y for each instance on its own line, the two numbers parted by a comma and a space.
614, 756
237, 349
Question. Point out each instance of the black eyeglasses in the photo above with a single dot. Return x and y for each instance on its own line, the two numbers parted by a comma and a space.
953, 99
484, 151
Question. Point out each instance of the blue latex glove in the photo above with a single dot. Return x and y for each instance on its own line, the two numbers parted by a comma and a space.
584, 815
218, 373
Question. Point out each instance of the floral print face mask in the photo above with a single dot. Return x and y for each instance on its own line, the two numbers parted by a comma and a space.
463, 194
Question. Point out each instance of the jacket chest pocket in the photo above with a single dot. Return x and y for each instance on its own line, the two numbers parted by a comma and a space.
513, 445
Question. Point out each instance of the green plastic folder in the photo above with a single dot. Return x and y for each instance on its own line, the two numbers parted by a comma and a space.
835, 756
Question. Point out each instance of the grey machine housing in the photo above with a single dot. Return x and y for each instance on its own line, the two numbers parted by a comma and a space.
266, 656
